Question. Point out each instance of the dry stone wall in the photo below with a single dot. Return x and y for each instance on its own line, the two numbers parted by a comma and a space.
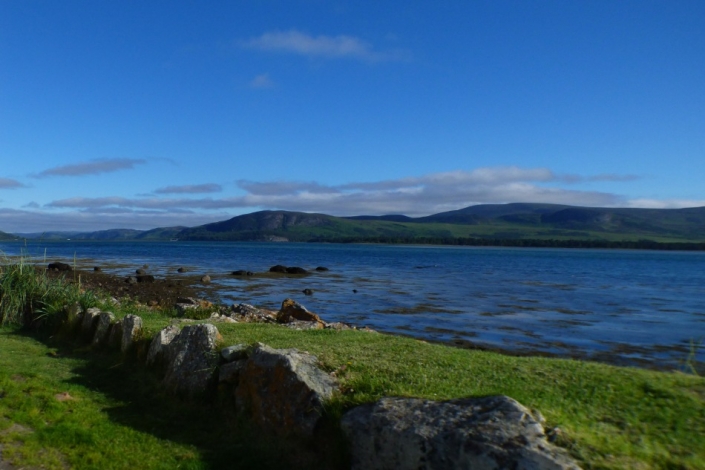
284, 392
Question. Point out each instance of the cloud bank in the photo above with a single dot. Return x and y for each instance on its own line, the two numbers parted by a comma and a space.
93, 167
412, 196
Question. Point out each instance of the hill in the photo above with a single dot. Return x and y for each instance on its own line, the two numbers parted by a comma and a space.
6, 236
518, 224
491, 221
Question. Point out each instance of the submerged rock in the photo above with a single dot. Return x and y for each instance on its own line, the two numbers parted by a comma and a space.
296, 270
491, 432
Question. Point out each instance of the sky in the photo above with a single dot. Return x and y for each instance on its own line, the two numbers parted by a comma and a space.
134, 114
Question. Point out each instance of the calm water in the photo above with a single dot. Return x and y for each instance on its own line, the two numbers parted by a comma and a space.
629, 307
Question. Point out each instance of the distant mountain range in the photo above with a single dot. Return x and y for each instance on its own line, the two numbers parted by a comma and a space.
519, 221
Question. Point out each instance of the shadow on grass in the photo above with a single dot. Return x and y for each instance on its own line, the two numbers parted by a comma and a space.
209, 424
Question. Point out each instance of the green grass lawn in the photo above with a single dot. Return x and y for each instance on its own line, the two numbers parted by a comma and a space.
117, 416
610, 417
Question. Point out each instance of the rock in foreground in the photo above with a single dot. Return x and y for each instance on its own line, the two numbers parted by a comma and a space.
474, 433
283, 390
192, 360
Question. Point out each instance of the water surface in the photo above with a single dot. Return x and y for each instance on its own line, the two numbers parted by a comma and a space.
622, 306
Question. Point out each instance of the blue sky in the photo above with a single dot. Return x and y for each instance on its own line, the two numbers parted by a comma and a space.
138, 114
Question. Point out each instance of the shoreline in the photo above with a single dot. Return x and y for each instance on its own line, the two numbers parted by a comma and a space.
164, 292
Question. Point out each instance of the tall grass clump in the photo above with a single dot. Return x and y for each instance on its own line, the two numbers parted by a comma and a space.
27, 294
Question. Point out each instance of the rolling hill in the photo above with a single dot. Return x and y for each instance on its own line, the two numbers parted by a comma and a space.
493, 222
497, 221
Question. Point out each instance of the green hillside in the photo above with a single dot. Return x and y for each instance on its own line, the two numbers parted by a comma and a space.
517, 224
501, 222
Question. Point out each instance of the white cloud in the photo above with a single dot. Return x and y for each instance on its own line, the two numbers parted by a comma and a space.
262, 81
413, 196
93, 167
665, 203
329, 47
24, 221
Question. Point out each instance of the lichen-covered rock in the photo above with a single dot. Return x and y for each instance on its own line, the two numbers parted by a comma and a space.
250, 314
90, 319
485, 433
160, 342
292, 310
192, 360
283, 390
131, 328
105, 319
305, 325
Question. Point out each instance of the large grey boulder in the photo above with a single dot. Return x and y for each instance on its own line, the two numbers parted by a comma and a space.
158, 347
105, 319
131, 329
476, 433
192, 360
283, 390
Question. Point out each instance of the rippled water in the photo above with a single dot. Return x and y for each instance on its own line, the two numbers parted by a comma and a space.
622, 306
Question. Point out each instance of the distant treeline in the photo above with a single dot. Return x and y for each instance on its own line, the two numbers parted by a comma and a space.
457, 241
528, 243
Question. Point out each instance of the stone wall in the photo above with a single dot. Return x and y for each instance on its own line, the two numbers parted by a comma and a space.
284, 392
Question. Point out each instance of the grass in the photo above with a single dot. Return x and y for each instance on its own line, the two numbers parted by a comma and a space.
117, 416
27, 293
610, 417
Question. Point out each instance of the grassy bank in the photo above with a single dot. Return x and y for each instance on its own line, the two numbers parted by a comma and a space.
609, 417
